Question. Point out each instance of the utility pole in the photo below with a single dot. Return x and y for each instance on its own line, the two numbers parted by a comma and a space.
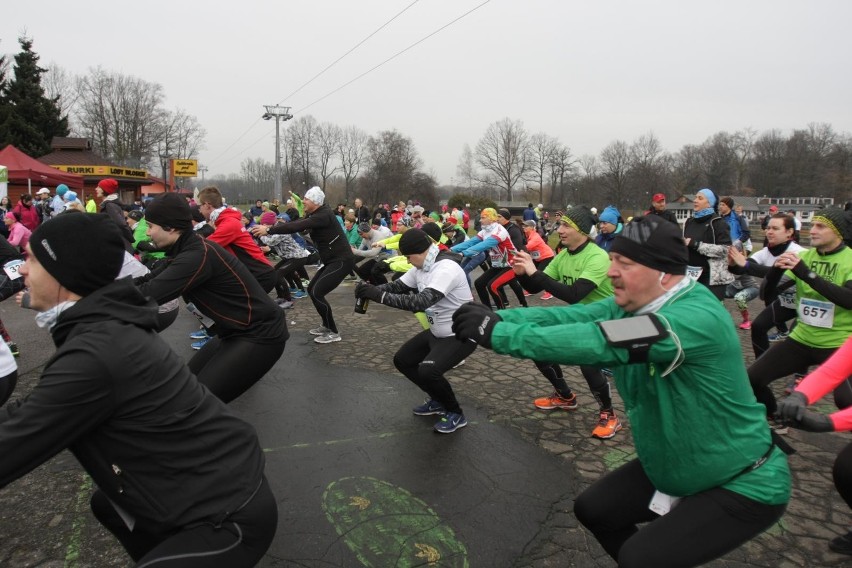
202, 169
280, 113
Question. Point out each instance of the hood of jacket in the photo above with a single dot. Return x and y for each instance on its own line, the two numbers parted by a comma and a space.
120, 300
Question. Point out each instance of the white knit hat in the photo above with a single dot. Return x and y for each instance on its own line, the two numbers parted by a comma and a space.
316, 195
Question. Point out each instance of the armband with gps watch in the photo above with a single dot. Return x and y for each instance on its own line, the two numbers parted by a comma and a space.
636, 334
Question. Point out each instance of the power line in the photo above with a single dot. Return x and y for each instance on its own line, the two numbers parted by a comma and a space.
253, 124
394, 56
359, 44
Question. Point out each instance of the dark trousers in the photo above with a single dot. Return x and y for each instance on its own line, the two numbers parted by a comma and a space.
698, 529
373, 271
773, 315
324, 281
229, 367
7, 386
783, 359
239, 542
424, 359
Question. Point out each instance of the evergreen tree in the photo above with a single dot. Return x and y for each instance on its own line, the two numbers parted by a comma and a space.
31, 118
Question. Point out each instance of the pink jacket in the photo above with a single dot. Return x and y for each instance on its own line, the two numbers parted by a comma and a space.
825, 378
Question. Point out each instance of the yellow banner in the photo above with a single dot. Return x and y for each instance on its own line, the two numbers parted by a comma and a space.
185, 168
105, 171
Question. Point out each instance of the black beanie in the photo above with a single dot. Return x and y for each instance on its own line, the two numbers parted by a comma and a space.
653, 242
835, 219
414, 241
170, 211
580, 217
433, 230
82, 251
505, 214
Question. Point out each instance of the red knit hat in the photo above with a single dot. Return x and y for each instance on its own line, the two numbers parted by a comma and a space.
108, 185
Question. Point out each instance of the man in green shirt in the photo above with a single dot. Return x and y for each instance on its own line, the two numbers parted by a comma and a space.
701, 439
577, 275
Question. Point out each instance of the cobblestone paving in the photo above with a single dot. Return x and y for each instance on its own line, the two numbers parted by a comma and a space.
38, 512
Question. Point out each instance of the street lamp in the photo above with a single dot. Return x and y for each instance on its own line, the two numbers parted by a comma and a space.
280, 113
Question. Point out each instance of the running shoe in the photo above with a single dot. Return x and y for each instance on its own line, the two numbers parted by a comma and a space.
429, 408
547, 296
200, 334
459, 364
320, 331
284, 304
607, 426
13, 347
450, 423
745, 325
556, 400
201, 343
841, 544
527, 294
778, 336
328, 338
299, 294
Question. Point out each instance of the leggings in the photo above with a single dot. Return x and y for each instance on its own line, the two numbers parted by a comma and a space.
698, 529
238, 542
495, 288
373, 271
596, 380
8, 288
485, 287
773, 315
230, 366
785, 358
7, 386
424, 359
324, 281
286, 270
842, 473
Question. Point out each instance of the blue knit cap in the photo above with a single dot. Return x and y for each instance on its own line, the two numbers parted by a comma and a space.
61, 189
610, 215
711, 197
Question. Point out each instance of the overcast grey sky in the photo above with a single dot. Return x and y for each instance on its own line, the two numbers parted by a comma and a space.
588, 73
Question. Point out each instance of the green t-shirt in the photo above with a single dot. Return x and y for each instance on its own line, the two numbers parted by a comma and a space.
696, 428
821, 323
591, 262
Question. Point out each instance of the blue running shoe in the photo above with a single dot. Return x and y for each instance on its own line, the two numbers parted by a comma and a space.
200, 334
429, 408
299, 294
201, 343
450, 423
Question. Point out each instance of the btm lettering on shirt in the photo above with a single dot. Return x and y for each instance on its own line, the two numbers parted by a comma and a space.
827, 270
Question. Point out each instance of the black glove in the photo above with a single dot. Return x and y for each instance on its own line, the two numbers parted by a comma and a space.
813, 422
475, 322
368, 291
793, 407
146, 246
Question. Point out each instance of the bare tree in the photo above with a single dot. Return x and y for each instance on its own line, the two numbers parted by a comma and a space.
351, 152
647, 169
502, 151
60, 85
561, 165
743, 143
392, 162
121, 115
258, 176
539, 158
300, 139
328, 140
181, 136
466, 169
615, 167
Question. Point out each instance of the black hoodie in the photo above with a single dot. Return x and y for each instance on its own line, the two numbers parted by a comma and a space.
125, 404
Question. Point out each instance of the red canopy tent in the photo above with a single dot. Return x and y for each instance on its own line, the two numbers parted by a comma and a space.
24, 170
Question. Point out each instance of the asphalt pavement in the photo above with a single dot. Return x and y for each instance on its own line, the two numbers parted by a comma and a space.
361, 481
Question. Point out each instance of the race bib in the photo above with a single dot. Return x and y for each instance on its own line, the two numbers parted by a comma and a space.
13, 268
430, 315
816, 313
787, 301
694, 272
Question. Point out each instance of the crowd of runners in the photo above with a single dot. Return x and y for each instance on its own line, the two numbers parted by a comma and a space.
636, 304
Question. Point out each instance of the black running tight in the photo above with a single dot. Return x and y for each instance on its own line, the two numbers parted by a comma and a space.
239, 542
324, 281
698, 529
229, 367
